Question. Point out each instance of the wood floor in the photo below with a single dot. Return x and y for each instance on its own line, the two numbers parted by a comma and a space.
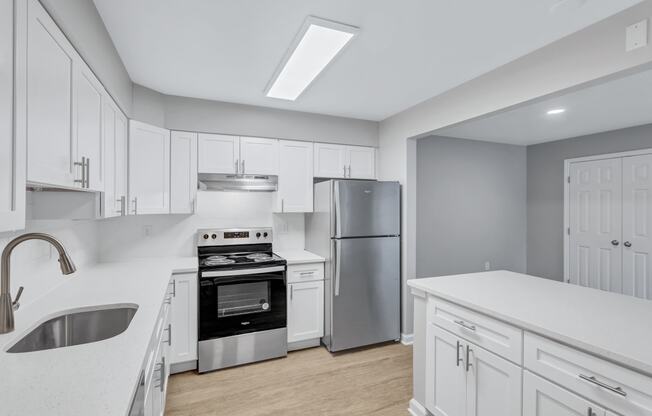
373, 381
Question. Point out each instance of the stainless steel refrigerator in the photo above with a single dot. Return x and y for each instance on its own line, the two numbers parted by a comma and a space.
356, 227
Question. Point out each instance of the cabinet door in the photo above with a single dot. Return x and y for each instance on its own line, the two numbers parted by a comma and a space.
361, 162
183, 172
637, 226
541, 398
109, 132
149, 169
305, 311
184, 318
295, 177
258, 156
445, 377
50, 65
12, 143
493, 384
121, 162
330, 160
218, 153
87, 126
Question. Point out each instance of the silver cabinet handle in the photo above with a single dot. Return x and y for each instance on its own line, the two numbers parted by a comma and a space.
135, 202
282, 204
593, 380
161, 369
236, 167
243, 166
123, 203
88, 172
291, 292
627, 244
459, 360
174, 288
309, 273
344, 170
169, 329
590, 412
615, 242
338, 252
465, 325
82, 164
468, 358
349, 171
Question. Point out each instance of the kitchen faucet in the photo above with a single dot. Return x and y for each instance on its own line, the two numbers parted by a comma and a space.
7, 306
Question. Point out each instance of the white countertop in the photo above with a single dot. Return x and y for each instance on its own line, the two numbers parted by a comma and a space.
300, 256
612, 326
91, 379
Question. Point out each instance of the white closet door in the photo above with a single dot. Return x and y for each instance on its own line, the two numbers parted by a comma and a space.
596, 224
637, 226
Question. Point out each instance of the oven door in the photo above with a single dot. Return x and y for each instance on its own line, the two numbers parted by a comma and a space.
233, 302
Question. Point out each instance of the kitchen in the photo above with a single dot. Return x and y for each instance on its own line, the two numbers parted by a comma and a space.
167, 174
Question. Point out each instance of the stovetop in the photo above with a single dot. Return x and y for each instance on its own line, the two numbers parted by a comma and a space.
252, 258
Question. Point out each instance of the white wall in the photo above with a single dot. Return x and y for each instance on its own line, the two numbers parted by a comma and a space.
175, 235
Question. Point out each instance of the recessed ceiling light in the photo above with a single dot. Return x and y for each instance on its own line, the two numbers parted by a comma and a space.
556, 111
319, 41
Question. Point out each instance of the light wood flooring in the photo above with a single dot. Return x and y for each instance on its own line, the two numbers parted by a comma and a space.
372, 381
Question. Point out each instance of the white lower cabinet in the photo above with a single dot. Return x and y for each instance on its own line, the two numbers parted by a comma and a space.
446, 379
542, 398
184, 320
305, 304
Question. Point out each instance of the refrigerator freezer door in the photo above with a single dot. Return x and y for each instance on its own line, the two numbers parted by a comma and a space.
365, 292
366, 208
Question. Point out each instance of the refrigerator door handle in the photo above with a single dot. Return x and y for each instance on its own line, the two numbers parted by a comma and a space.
338, 255
336, 210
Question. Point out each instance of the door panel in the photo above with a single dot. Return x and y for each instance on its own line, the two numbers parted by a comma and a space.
361, 162
121, 161
87, 124
637, 226
109, 133
445, 384
541, 398
258, 156
149, 169
295, 181
366, 288
366, 208
183, 172
330, 160
595, 221
217, 153
305, 311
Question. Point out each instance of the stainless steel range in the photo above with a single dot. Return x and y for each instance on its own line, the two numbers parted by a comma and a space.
242, 298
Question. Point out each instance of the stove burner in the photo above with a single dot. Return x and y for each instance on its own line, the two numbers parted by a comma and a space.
258, 257
218, 260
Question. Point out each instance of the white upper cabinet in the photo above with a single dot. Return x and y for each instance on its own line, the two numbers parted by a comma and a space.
330, 160
361, 162
12, 143
149, 169
49, 70
218, 153
340, 161
87, 127
114, 124
183, 172
258, 156
295, 177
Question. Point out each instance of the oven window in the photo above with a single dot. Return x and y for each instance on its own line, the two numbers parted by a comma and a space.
243, 299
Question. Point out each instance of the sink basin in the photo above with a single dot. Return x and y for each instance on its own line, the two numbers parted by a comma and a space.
78, 327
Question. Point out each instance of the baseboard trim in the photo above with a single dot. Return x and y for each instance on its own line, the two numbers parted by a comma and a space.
183, 367
407, 339
300, 345
416, 409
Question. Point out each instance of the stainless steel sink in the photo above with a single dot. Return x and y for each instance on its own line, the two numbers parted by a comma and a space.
78, 327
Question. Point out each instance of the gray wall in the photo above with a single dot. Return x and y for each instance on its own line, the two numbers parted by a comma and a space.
182, 113
83, 26
545, 191
470, 206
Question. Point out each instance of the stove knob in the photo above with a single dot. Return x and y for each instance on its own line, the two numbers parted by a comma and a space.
214, 236
265, 235
257, 235
205, 236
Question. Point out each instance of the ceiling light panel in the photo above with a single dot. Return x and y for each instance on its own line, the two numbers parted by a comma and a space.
316, 45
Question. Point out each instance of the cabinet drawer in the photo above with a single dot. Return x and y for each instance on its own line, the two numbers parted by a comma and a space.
305, 272
491, 334
605, 383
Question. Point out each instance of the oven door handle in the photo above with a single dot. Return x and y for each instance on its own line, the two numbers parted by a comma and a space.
224, 273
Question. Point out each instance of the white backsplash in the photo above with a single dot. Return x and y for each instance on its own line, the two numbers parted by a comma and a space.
175, 235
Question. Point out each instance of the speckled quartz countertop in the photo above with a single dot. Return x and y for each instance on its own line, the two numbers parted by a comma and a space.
299, 256
92, 379
609, 325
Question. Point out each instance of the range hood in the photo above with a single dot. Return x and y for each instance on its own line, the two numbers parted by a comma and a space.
230, 182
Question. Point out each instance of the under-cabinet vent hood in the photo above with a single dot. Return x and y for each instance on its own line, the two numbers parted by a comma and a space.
248, 183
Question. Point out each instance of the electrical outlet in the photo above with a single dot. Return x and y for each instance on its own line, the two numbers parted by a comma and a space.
636, 35
487, 266
147, 230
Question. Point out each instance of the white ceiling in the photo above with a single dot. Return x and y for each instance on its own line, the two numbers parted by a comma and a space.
615, 104
407, 51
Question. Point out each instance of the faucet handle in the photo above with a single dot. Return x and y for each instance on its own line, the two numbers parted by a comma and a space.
15, 304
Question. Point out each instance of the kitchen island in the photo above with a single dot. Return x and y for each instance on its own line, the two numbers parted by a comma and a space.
511, 344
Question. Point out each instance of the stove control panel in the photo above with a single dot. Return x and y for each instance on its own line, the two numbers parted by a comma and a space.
224, 237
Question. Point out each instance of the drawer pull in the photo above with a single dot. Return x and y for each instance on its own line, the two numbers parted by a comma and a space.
593, 380
307, 273
465, 325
